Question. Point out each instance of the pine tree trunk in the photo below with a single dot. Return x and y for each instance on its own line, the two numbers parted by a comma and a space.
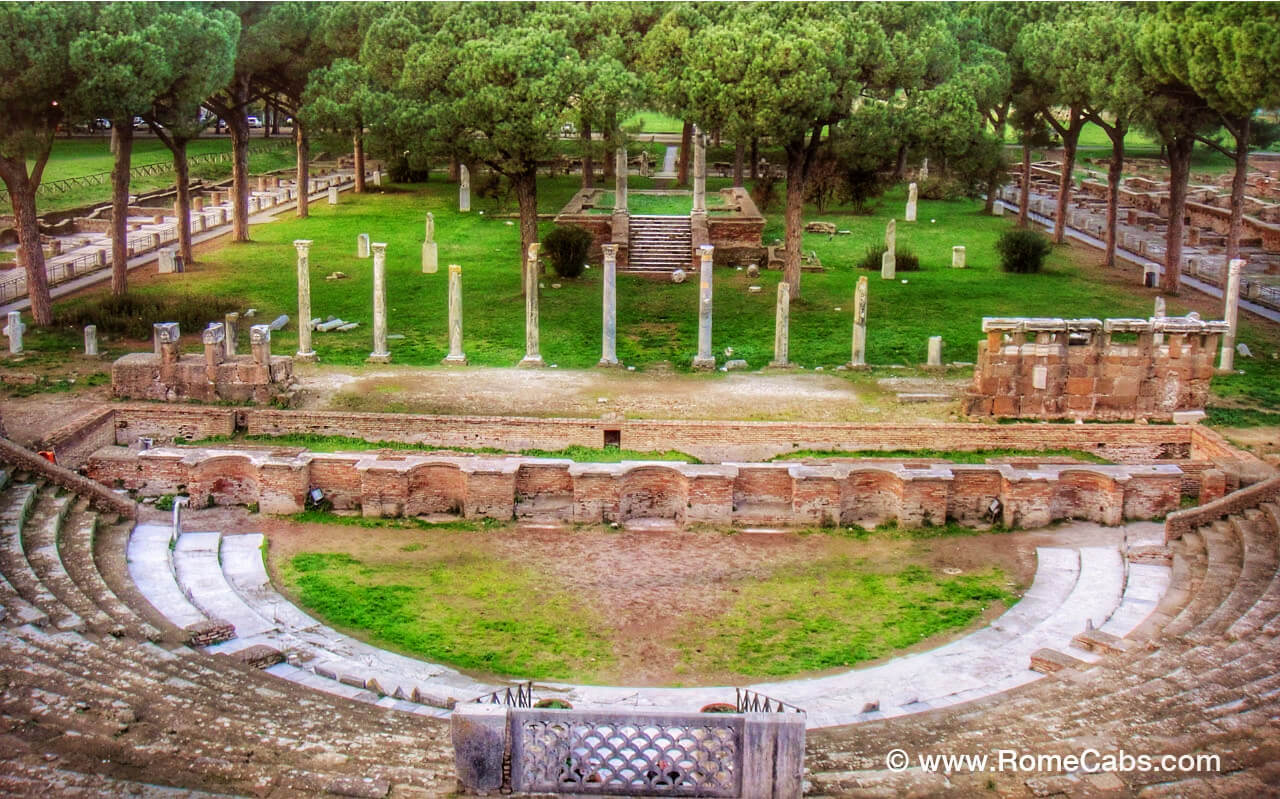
1024, 194
526, 187
794, 218
1069, 141
686, 145
755, 158
122, 133
1179, 172
22, 193
357, 150
304, 169
588, 162
238, 124
1115, 171
1236, 222
182, 181
455, 169
739, 154
611, 142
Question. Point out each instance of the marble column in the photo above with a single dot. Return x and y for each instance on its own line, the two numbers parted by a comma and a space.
232, 322
91, 340
1159, 312
362, 245
430, 251
859, 358
532, 357
912, 195
935, 351
609, 298
464, 189
14, 331
704, 359
889, 260
305, 353
699, 172
455, 356
620, 181
781, 327
380, 353
1231, 298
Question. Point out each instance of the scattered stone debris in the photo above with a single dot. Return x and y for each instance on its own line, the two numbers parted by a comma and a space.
820, 227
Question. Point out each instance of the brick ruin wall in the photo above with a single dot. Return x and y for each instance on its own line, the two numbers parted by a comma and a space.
169, 376
1032, 494
1078, 369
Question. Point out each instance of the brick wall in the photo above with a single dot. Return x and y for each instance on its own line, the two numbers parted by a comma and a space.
912, 493
147, 376
73, 443
1078, 369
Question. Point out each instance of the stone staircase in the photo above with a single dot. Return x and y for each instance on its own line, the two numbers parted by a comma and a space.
1197, 678
97, 698
659, 245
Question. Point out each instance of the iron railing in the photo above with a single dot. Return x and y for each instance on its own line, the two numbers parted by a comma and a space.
518, 695
749, 701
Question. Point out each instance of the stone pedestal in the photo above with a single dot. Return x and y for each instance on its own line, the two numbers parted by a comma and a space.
430, 251
620, 180
911, 203
1158, 312
1231, 310
997, 209
781, 328
859, 355
380, 353
91, 340
232, 324
957, 257
260, 344
305, 352
888, 266
889, 260
532, 357
214, 350
362, 245
609, 327
455, 356
704, 359
333, 195
464, 189
167, 262
935, 351
166, 335
14, 331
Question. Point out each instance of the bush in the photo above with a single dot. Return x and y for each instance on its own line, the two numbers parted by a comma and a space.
131, 315
1022, 251
401, 171
567, 245
765, 192
905, 260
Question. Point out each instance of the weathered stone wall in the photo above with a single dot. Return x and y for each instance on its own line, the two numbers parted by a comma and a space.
144, 375
73, 443
1065, 369
847, 492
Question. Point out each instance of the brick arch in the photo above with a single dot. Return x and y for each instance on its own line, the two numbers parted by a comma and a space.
435, 488
544, 489
870, 495
1089, 495
657, 492
230, 479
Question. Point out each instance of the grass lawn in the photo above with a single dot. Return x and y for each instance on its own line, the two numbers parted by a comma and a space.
577, 605
657, 321
653, 122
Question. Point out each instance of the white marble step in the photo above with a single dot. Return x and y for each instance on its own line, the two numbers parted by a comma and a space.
196, 563
152, 572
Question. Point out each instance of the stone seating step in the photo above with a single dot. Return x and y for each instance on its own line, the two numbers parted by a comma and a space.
1259, 567
33, 507
76, 552
1204, 549
199, 572
20, 778
151, 569
110, 560
40, 544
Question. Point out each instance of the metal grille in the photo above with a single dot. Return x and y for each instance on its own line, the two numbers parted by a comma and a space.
574, 752
518, 695
749, 701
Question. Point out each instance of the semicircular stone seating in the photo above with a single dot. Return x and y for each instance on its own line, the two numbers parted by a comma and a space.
104, 694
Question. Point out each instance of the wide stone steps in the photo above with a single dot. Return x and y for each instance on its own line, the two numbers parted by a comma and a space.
28, 506
659, 243
151, 569
1258, 567
76, 553
40, 544
198, 570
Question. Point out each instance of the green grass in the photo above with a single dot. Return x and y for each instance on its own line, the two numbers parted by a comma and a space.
954, 456
469, 610
1219, 416
653, 122
836, 612
324, 443
316, 516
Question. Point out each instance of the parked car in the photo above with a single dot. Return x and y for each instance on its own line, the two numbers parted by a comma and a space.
254, 122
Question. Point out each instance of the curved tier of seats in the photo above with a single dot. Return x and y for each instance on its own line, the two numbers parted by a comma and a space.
1205, 682
92, 706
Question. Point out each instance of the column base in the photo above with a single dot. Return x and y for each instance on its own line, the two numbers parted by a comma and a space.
704, 363
607, 364
857, 367
378, 357
534, 362
308, 357
781, 365
455, 360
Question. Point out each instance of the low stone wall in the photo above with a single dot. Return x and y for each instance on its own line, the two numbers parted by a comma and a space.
1185, 521
100, 497
170, 376
380, 484
629, 753
73, 443
1062, 369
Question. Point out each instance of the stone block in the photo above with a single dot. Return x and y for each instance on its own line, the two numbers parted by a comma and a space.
479, 742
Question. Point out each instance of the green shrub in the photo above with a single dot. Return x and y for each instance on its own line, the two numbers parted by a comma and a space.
906, 260
1022, 251
567, 245
131, 315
